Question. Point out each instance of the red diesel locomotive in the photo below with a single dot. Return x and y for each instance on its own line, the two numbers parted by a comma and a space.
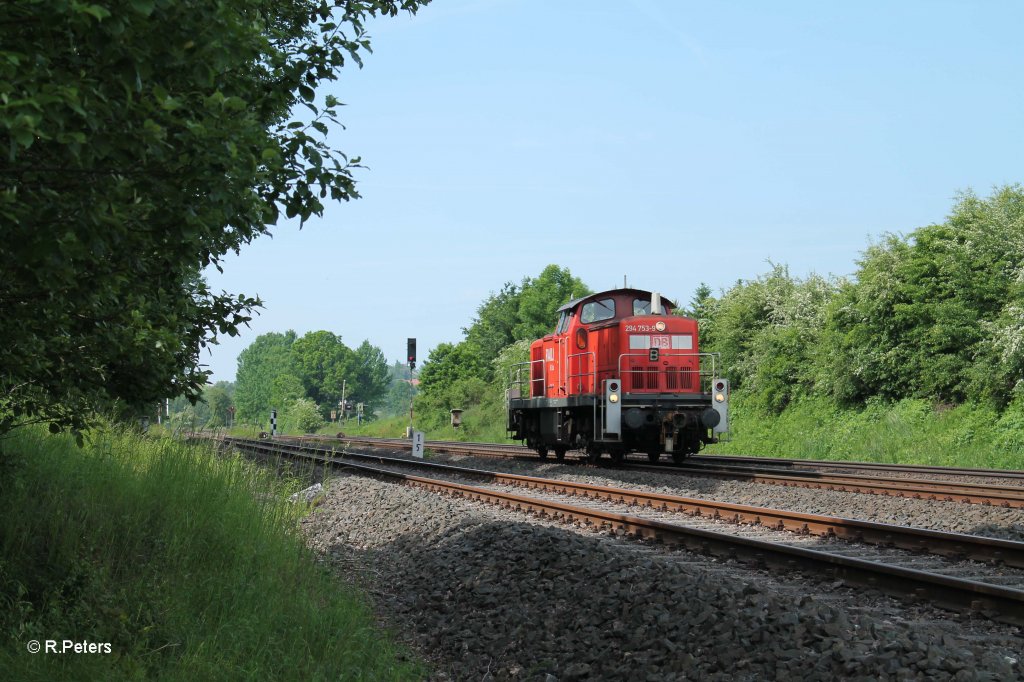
619, 374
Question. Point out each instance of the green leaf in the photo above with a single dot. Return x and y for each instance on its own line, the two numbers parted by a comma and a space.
143, 7
97, 11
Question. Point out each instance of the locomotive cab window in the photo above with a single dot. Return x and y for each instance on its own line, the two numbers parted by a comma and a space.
641, 307
596, 311
563, 321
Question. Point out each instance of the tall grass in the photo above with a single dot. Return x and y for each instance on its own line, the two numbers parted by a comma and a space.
908, 432
187, 563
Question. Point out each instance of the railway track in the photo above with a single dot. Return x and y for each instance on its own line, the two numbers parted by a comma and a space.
955, 571
884, 469
915, 488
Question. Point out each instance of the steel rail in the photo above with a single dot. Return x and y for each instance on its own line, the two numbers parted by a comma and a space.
862, 466
996, 601
724, 460
967, 493
975, 547
738, 459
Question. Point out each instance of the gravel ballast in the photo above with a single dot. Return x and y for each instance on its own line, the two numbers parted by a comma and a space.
487, 593
957, 517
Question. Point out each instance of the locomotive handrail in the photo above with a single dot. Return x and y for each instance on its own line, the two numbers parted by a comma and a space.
516, 377
592, 374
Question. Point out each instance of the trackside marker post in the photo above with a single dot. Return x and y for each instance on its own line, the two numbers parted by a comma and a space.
417, 444
273, 422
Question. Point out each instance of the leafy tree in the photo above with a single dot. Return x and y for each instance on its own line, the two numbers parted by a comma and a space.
259, 382
768, 332
540, 298
304, 415
446, 365
399, 397
141, 142
933, 315
369, 369
508, 361
703, 308
286, 389
326, 366
998, 372
519, 312
184, 412
322, 362
495, 323
219, 400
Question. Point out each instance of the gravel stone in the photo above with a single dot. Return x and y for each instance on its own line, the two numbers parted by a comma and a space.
488, 593
957, 517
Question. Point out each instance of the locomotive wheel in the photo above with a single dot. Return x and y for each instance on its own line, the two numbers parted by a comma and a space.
653, 455
593, 455
618, 456
560, 452
543, 452
678, 457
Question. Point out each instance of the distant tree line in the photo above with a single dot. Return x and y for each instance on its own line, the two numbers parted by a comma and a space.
937, 314
279, 371
301, 378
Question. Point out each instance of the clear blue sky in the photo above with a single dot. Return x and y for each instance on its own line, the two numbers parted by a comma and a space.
673, 142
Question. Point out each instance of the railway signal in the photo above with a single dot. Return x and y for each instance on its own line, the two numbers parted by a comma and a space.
720, 403
613, 407
411, 353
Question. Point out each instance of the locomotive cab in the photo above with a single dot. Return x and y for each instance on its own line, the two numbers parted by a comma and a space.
620, 373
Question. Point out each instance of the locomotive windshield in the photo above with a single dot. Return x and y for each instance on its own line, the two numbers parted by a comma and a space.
596, 311
563, 321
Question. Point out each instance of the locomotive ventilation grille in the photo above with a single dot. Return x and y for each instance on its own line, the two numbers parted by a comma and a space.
652, 379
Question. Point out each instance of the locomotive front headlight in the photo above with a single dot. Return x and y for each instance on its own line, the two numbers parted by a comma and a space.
720, 397
613, 398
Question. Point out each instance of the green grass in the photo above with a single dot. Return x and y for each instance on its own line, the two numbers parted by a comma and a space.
909, 432
479, 424
188, 564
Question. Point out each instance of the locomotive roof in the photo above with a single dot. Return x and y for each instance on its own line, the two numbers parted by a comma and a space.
637, 293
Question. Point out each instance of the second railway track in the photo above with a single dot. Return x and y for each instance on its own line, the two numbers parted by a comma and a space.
915, 488
993, 563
